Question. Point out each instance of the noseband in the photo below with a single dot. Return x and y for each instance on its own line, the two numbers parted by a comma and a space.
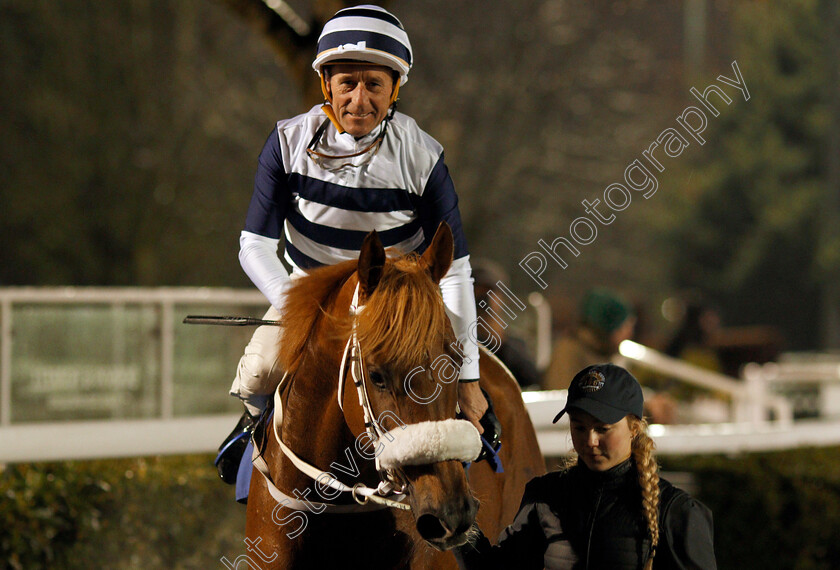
413, 444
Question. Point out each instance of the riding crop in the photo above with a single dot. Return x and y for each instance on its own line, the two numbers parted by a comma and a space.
228, 321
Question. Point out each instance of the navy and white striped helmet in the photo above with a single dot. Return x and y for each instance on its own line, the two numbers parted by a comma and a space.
365, 33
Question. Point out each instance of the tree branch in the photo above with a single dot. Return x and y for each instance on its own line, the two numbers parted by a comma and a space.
295, 50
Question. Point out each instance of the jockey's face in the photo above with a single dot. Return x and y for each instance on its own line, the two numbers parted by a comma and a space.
360, 95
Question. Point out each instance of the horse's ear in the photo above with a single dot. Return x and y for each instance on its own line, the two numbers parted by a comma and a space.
371, 263
438, 256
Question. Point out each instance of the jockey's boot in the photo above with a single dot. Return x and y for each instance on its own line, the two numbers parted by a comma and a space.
232, 448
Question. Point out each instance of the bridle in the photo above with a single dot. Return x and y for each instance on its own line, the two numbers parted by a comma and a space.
392, 487
392, 481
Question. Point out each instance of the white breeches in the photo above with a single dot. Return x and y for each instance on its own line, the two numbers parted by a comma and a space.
258, 373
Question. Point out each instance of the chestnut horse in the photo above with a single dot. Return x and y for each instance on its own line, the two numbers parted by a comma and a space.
363, 460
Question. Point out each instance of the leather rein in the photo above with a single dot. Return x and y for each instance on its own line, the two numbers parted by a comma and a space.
367, 498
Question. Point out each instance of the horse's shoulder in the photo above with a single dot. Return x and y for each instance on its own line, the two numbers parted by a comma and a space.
496, 378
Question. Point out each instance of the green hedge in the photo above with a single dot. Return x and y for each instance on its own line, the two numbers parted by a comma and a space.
772, 511
144, 513
775, 510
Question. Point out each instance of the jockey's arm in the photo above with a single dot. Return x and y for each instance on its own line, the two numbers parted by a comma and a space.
259, 259
259, 241
440, 204
459, 299
472, 402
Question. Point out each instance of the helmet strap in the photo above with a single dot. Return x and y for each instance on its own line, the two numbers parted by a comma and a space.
396, 92
328, 111
327, 106
324, 87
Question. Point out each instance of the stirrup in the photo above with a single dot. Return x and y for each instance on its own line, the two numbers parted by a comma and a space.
233, 447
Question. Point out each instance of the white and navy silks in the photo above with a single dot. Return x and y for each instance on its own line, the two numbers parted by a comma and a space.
324, 208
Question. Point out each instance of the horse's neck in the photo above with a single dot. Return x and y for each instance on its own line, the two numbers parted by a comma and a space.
313, 427
311, 418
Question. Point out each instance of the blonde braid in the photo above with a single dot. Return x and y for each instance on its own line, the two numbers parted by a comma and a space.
642, 449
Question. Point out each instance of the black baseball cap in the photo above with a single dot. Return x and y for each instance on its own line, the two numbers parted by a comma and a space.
605, 391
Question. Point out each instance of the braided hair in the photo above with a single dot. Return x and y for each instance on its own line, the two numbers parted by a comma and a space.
642, 450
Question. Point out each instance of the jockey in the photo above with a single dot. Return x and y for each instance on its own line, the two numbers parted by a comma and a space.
331, 175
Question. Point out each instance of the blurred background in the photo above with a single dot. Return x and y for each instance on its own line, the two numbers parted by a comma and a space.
130, 135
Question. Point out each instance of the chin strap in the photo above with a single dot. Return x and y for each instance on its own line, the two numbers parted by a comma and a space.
327, 106
396, 92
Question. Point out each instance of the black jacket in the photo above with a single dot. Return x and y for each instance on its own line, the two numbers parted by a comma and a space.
580, 519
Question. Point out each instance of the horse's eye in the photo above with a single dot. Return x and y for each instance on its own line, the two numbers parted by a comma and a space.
377, 379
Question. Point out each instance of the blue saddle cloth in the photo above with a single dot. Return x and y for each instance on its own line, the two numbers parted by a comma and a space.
493, 459
243, 476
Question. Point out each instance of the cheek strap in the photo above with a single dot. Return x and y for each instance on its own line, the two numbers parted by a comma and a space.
327, 106
395, 93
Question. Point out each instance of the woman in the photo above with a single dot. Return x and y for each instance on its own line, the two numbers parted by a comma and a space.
610, 509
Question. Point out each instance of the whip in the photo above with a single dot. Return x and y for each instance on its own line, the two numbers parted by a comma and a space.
228, 321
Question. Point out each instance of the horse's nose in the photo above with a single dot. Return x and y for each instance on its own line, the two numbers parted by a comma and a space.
450, 520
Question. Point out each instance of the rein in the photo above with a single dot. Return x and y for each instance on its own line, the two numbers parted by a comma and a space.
408, 445
361, 493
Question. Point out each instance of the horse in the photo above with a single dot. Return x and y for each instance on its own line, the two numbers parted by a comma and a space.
363, 460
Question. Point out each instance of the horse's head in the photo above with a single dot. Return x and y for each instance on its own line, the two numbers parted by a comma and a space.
410, 361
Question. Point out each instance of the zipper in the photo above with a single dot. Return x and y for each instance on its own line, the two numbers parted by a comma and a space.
592, 525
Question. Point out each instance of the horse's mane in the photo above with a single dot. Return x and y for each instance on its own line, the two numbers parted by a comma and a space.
401, 322
305, 302
404, 318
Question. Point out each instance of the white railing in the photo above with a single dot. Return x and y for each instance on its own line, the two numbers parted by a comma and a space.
751, 399
107, 439
759, 418
724, 437
89, 372
133, 332
137, 419
819, 374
